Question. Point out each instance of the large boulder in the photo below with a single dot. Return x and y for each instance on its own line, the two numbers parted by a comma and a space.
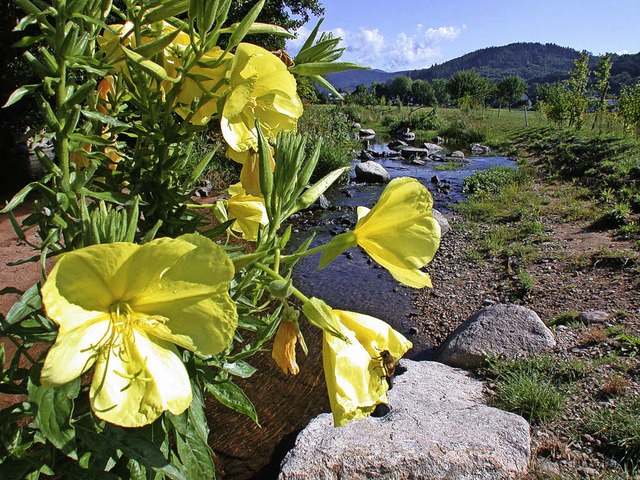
432, 147
438, 427
502, 329
371, 172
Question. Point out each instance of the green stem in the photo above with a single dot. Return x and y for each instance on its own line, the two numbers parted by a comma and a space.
306, 253
276, 276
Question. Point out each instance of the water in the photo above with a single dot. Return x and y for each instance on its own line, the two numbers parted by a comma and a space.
353, 281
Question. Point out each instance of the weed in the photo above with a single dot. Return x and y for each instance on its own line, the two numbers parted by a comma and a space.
618, 428
528, 394
564, 318
615, 385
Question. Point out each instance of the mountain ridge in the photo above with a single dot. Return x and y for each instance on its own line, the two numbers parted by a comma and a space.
535, 62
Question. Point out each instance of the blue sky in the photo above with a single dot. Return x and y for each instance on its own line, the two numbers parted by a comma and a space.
395, 35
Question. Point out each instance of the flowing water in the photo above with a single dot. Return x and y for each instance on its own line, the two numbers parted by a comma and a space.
353, 281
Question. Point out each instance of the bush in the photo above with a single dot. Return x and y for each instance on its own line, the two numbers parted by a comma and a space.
493, 181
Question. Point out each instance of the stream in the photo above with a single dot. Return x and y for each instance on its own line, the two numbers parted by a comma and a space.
353, 281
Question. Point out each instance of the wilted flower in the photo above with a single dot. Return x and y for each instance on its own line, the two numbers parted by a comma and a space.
353, 367
123, 308
399, 232
261, 88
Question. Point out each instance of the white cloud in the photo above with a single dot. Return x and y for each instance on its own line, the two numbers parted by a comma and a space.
406, 51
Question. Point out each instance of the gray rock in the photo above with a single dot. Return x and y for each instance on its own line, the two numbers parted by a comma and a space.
397, 145
432, 147
367, 132
594, 316
438, 427
413, 152
442, 220
456, 154
371, 172
500, 329
478, 149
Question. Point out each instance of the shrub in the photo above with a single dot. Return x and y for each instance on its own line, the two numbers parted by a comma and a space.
493, 181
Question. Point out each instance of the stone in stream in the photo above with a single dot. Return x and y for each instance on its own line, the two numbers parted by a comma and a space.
500, 329
371, 172
413, 152
437, 426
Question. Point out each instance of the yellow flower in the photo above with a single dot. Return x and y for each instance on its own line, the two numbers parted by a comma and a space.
353, 367
248, 211
123, 308
399, 232
250, 173
201, 81
261, 88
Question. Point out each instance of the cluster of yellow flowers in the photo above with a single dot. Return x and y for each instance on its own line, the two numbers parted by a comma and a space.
125, 308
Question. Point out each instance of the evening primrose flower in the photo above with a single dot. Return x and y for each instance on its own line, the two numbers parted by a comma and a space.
353, 368
399, 232
202, 80
248, 211
250, 173
261, 88
124, 308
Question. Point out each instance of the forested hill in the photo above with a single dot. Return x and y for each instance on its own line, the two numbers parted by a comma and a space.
534, 62
527, 60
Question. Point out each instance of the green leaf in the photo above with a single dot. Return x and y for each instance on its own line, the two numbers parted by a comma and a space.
218, 229
317, 189
135, 445
146, 65
191, 439
323, 82
54, 414
113, 197
19, 197
323, 68
148, 50
167, 10
260, 28
30, 302
243, 27
232, 396
19, 93
240, 369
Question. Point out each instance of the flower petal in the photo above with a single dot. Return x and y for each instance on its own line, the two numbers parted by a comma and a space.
354, 385
374, 334
193, 295
74, 351
82, 280
136, 381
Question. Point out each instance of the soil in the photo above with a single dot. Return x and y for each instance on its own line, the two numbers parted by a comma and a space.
568, 275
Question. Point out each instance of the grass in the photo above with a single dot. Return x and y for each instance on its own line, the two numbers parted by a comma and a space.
618, 427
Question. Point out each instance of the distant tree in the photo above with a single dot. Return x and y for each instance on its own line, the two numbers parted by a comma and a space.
628, 108
577, 90
400, 87
289, 14
510, 90
553, 102
361, 96
423, 93
469, 89
602, 73
440, 92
